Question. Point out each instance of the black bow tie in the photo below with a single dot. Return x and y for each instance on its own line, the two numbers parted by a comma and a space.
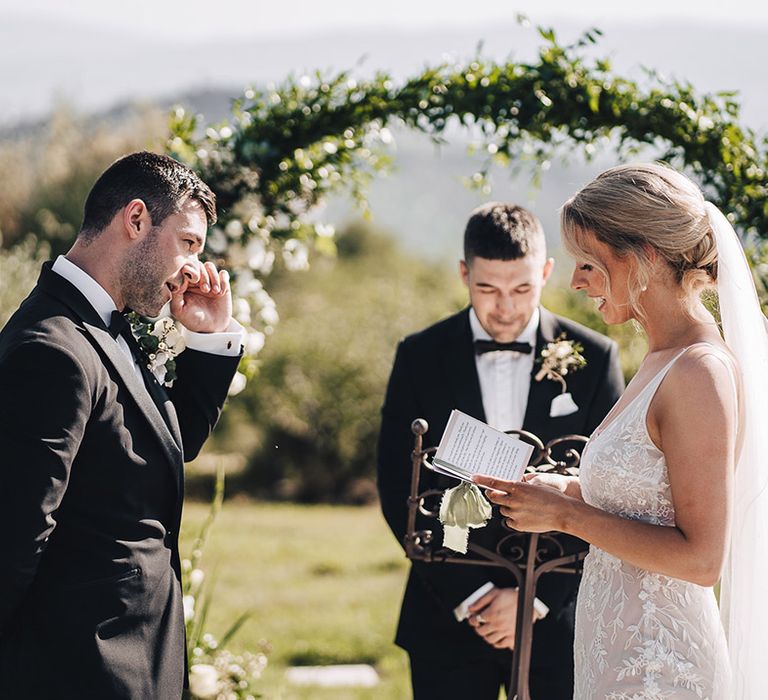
118, 324
482, 346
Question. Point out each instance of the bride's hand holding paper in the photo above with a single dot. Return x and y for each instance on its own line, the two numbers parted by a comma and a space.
526, 506
569, 485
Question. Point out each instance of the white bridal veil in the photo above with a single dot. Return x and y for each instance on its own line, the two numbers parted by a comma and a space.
743, 603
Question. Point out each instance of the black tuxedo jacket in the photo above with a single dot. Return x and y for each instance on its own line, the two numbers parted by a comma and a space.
434, 372
91, 489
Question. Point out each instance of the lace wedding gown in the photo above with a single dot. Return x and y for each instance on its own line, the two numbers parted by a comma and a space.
641, 635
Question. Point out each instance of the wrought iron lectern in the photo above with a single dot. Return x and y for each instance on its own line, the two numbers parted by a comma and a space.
526, 555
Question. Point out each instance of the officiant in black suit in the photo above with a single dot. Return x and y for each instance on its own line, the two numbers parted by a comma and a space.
482, 361
92, 446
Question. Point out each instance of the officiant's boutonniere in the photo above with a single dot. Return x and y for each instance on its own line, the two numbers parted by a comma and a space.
557, 359
161, 342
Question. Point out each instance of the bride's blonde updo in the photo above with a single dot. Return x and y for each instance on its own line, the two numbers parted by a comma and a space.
632, 208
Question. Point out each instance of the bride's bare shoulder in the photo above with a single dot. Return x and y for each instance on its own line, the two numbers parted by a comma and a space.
698, 399
706, 374
706, 359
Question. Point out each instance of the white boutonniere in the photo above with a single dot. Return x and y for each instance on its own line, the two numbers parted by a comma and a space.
161, 342
558, 359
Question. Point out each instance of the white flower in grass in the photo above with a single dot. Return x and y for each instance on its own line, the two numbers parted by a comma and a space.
238, 384
189, 607
196, 577
203, 681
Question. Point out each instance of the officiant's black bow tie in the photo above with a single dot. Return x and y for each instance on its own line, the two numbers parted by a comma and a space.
483, 346
119, 325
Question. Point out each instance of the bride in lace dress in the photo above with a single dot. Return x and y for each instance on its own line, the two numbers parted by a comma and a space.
655, 493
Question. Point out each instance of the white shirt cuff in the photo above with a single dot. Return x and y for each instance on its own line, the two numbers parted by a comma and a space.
226, 342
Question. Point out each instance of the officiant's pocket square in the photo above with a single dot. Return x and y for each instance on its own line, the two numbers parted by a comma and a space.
562, 405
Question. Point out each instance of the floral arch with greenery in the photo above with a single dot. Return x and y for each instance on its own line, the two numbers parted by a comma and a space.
287, 147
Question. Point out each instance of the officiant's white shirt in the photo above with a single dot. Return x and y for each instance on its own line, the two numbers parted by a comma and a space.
225, 343
505, 376
505, 379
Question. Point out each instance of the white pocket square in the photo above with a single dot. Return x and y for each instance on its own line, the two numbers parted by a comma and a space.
562, 405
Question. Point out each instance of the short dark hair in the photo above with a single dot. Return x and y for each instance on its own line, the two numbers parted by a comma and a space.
499, 231
161, 182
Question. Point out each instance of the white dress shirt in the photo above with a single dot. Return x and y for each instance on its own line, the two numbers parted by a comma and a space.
505, 376
225, 343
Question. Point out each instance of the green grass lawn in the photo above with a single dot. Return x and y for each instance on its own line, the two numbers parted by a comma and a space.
324, 584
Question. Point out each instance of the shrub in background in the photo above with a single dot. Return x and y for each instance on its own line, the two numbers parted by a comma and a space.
314, 405
19, 269
309, 420
46, 177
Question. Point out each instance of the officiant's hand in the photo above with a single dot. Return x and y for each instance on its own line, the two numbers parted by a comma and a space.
526, 506
494, 617
202, 300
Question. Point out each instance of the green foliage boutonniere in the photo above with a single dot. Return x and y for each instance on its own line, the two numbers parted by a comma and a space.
161, 342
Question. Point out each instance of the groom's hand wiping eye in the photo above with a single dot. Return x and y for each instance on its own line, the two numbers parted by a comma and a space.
204, 303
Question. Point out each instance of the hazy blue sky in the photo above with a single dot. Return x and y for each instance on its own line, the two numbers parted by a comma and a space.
197, 18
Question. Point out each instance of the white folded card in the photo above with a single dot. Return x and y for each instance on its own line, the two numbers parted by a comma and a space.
461, 611
469, 447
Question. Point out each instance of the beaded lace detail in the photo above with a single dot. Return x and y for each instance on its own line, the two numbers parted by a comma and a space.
640, 635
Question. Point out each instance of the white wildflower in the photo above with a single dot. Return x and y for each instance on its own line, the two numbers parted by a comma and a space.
238, 384
189, 607
234, 229
203, 681
196, 577
295, 255
254, 342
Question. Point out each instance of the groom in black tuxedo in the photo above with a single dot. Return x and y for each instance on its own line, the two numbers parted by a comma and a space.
458, 363
92, 446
